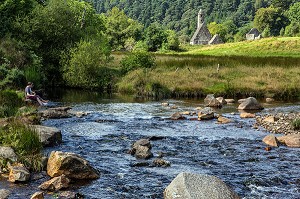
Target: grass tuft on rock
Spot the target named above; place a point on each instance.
(25, 143)
(296, 124)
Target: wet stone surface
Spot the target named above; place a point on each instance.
(235, 155)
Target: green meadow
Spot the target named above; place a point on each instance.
(263, 68)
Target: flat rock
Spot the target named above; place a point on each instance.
(49, 136)
(71, 165)
(271, 119)
(18, 174)
(177, 116)
(224, 120)
(230, 101)
(221, 100)
(4, 193)
(8, 153)
(70, 195)
(196, 186)
(271, 140)
(269, 100)
(159, 162)
(206, 114)
(291, 140)
(56, 183)
(250, 104)
(56, 113)
(247, 115)
(38, 195)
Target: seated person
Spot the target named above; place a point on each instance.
(29, 94)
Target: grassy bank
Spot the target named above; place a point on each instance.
(264, 68)
(267, 47)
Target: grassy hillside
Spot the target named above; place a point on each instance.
(267, 47)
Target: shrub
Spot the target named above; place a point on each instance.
(9, 103)
(25, 143)
(138, 59)
(296, 124)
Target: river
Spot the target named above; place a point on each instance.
(233, 152)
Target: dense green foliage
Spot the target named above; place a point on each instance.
(181, 15)
(136, 60)
(9, 103)
(87, 65)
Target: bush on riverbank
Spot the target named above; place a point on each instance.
(25, 143)
(9, 103)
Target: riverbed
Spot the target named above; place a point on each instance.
(233, 152)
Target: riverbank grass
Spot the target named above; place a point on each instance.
(25, 143)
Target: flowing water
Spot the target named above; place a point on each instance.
(233, 152)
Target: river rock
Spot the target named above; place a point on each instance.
(271, 140)
(142, 149)
(18, 174)
(38, 195)
(165, 104)
(206, 114)
(250, 104)
(8, 153)
(224, 120)
(221, 100)
(211, 101)
(56, 183)
(70, 195)
(55, 113)
(177, 116)
(4, 193)
(270, 119)
(71, 165)
(159, 162)
(292, 140)
(241, 100)
(247, 115)
(269, 100)
(195, 186)
(230, 101)
(49, 136)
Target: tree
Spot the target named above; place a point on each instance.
(10, 10)
(155, 36)
(172, 42)
(52, 29)
(120, 28)
(85, 66)
(270, 18)
(294, 16)
(282, 4)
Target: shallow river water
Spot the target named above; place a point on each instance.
(233, 152)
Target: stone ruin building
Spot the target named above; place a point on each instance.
(253, 34)
(202, 35)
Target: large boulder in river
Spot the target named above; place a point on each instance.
(4, 193)
(7, 153)
(211, 101)
(56, 183)
(18, 174)
(195, 186)
(71, 165)
(292, 140)
(271, 140)
(250, 104)
(141, 149)
(49, 136)
(56, 113)
(206, 114)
